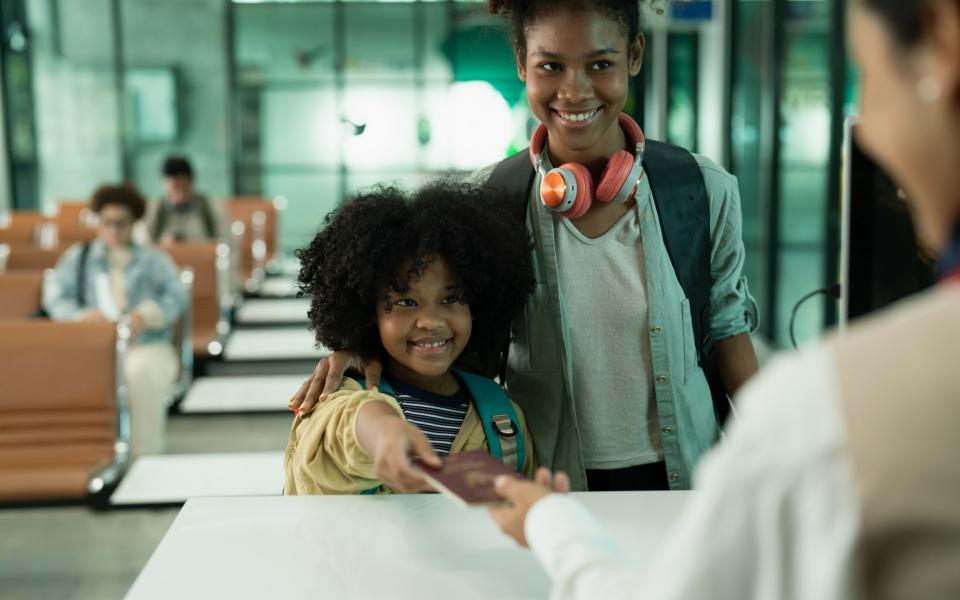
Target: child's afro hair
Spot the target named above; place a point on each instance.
(382, 240)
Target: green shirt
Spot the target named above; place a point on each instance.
(540, 367)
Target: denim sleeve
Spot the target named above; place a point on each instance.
(732, 309)
(60, 290)
(168, 292)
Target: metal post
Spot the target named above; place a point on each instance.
(838, 85)
(119, 75)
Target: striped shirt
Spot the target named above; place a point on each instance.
(438, 417)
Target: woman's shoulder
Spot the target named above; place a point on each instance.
(713, 174)
(481, 175)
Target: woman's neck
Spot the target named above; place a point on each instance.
(596, 156)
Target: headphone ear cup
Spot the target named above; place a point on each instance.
(614, 176)
(584, 198)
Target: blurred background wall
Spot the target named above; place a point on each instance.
(312, 100)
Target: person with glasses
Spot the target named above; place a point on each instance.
(112, 279)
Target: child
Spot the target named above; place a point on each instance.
(425, 285)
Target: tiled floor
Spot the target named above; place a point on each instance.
(75, 553)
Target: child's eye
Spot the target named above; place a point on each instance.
(601, 65)
(405, 302)
(454, 300)
(550, 67)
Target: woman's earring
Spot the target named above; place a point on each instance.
(928, 89)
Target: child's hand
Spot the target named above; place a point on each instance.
(392, 442)
(399, 441)
(521, 496)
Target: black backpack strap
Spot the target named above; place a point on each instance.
(513, 175)
(160, 220)
(82, 273)
(683, 206)
(207, 214)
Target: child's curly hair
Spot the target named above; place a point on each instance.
(382, 240)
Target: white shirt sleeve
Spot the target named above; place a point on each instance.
(775, 514)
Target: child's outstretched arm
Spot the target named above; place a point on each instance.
(325, 455)
(392, 442)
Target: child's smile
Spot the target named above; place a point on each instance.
(425, 327)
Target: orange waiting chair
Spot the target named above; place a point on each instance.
(64, 421)
(253, 235)
(20, 294)
(30, 258)
(74, 212)
(21, 227)
(211, 301)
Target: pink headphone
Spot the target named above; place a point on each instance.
(568, 189)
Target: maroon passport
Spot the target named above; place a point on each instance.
(467, 478)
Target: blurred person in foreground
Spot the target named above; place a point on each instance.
(839, 477)
(182, 214)
(114, 278)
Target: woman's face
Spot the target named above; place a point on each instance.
(913, 137)
(577, 69)
(115, 226)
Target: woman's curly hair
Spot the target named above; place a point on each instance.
(382, 240)
(124, 195)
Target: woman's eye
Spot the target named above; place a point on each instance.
(601, 65)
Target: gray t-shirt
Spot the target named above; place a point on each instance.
(603, 282)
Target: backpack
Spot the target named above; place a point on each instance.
(683, 207)
(499, 419)
(162, 211)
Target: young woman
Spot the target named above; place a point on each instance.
(604, 361)
(818, 491)
(113, 278)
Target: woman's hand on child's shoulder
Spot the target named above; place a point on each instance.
(327, 376)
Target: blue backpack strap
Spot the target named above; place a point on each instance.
(386, 389)
(499, 419)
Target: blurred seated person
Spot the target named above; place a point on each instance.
(114, 278)
(182, 214)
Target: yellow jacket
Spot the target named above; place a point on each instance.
(324, 456)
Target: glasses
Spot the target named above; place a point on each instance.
(116, 223)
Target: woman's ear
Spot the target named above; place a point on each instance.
(635, 52)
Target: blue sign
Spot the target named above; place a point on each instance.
(691, 10)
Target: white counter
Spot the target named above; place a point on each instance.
(391, 547)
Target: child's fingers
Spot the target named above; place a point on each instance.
(561, 482)
(421, 448)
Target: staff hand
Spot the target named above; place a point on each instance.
(521, 496)
(326, 379)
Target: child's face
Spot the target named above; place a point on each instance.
(425, 328)
(577, 69)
